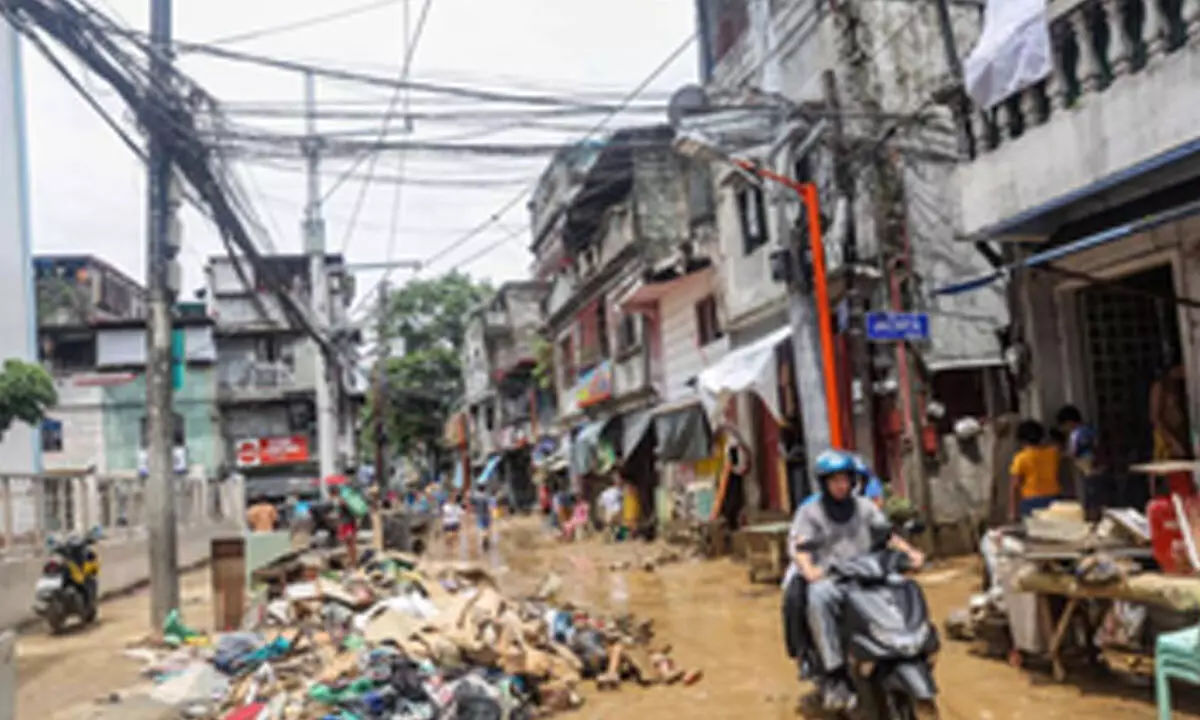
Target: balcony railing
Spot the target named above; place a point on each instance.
(253, 380)
(1094, 44)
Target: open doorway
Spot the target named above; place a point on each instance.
(1130, 333)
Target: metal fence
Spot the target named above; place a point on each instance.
(35, 507)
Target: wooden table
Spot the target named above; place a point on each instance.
(766, 549)
(1171, 592)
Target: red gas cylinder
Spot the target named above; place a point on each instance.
(1166, 539)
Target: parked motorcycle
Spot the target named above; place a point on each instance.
(889, 639)
(70, 582)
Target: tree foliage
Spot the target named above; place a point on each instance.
(424, 383)
(543, 371)
(26, 392)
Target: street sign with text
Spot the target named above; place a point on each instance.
(897, 326)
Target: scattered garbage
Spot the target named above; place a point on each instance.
(405, 640)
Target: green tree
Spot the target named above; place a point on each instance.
(26, 392)
(423, 384)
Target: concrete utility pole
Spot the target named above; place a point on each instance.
(862, 401)
(314, 242)
(380, 390)
(162, 278)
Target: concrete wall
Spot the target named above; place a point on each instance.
(124, 565)
(682, 356)
(124, 554)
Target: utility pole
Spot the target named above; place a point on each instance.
(314, 241)
(162, 279)
(862, 405)
(380, 389)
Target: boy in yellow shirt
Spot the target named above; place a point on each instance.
(1034, 471)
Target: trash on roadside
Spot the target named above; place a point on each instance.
(405, 639)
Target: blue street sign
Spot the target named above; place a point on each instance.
(897, 326)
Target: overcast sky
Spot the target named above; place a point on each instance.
(87, 188)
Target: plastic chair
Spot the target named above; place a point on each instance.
(1176, 656)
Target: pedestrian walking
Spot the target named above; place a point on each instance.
(347, 532)
(483, 503)
(452, 513)
(262, 515)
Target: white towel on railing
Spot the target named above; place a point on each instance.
(1013, 51)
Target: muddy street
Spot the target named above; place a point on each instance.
(711, 614)
(718, 621)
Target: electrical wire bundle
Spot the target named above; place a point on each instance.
(167, 107)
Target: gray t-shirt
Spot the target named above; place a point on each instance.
(813, 532)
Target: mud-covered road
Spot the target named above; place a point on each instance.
(709, 611)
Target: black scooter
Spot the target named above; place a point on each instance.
(888, 637)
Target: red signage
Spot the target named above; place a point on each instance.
(269, 451)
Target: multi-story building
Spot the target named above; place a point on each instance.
(1087, 179)
(505, 406)
(846, 98)
(267, 371)
(632, 309)
(91, 331)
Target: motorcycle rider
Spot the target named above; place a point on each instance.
(838, 526)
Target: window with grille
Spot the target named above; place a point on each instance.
(752, 209)
(708, 323)
(629, 333)
(1127, 339)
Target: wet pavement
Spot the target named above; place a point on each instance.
(713, 616)
(717, 620)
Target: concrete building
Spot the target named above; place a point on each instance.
(633, 311)
(505, 406)
(891, 204)
(266, 372)
(1088, 181)
(91, 333)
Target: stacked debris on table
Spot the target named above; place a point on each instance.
(396, 638)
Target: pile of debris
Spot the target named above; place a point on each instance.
(402, 638)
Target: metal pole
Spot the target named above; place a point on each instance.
(160, 430)
(314, 238)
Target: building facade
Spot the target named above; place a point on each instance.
(91, 336)
(1087, 180)
(845, 97)
(505, 405)
(266, 372)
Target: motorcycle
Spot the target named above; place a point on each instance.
(69, 585)
(890, 642)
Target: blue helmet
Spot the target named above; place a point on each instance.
(832, 462)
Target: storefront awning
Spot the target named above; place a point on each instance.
(585, 448)
(1081, 245)
(637, 424)
(747, 369)
(683, 431)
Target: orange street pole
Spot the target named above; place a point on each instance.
(808, 196)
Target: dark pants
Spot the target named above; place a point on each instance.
(795, 617)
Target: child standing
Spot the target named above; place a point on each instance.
(1034, 471)
(452, 513)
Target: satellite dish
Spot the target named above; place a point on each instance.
(687, 100)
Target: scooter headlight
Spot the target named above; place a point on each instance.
(905, 643)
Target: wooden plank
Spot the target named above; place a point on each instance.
(228, 582)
